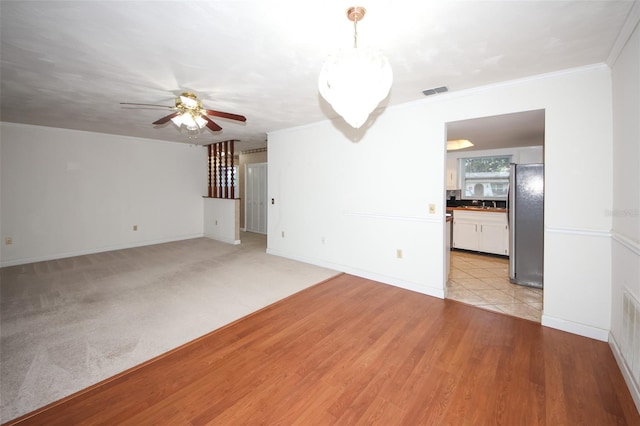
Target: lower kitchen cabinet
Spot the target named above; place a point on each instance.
(481, 231)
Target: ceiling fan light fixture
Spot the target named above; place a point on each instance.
(355, 80)
(189, 101)
(191, 111)
(200, 122)
(190, 114)
(181, 120)
(189, 120)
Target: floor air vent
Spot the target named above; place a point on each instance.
(630, 345)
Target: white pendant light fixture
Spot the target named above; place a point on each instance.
(355, 80)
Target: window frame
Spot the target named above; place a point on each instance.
(503, 178)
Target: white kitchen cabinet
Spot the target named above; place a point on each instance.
(484, 231)
(452, 172)
(494, 237)
(465, 233)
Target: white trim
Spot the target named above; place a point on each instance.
(462, 93)
(407, 285)
(26, 260)
(508, 83)
(113, 135)
(575, 328)
(578, 231)
(615, 236)
(629, 25)
(634, 388)
(223, 240)
(626, 242)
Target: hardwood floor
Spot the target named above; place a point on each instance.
(353, 351)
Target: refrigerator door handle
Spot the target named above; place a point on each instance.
(511, 208)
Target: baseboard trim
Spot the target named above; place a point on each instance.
(634, 388)
(222, 239)
(25, 260)
(407, 285)
(575, 328)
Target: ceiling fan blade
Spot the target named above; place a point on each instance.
(211, 125)
(152, 105)
(167, 118)
(226, 115)
(152, 108)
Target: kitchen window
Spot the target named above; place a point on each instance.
(485, 178)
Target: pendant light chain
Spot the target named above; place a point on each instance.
(355, 33)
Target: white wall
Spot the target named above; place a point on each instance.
(222, 219)
(626, 191)
(369, 197)
(351, 205)
(68, 192)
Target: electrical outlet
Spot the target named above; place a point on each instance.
(8, 240)
(432, 209)
(282, 234)
(135, 227)
(399, 253)
(322, 239)
(216, 222)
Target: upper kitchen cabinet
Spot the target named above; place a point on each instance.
(452, 172)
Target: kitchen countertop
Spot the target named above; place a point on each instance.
(480, 209)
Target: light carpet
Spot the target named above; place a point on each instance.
(69, 323)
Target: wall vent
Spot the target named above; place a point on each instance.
(435, 90)
(630, 345)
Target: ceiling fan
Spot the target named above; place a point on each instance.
(190, 113)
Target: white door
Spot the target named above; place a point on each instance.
(255, 192)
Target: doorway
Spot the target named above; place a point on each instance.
(256, 198)
(477, 276)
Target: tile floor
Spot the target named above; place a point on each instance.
(483, 281)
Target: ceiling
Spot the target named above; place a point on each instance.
(70, 64)
(518, 129)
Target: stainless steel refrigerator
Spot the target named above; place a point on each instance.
(526, 226)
